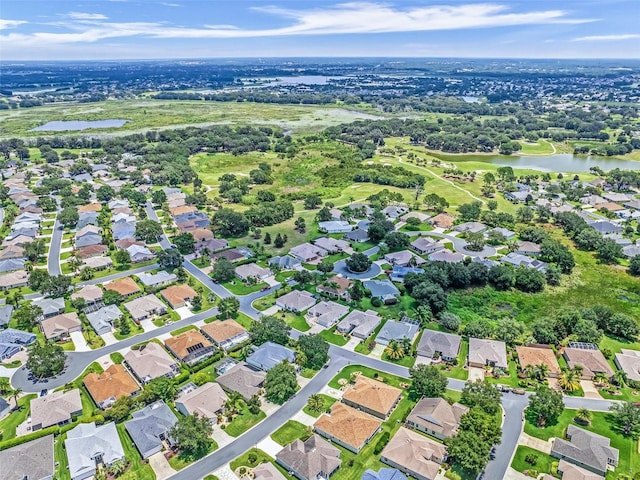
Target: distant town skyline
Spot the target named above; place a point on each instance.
(146, 29)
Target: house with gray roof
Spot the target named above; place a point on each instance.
(5, 408)
(508, 234)
(586, 449)
(404, 258)
(398, 273)
(360, 324)
(395, 211)
(102, 320)
(394, 330)
(518, 260)
(331, 245)
(207, 400)
(11, 264)
(447, 256)
(270, 354)
(446, 345)
(436, 417)
(50, 306)
(384, 290)
(629, 362)
(312, 459)
(384, 474)
(306, 252)
(123, 230)
(148, 428)
(296, 301)
(5, 315)
(267, 471)
(31, 460)
(150, 361)
(12, 341)
(426, 245)
(605, 226)
(483, 352)
(471, 227)
(285, 262)
(139, 253)
(243, 379)
(56, 408)
(326, 314)
(358, 236)
(335, 226)
(157, 279)
(87, 238)
(87, 218)
(89, 444)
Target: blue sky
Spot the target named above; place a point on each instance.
(140, 29)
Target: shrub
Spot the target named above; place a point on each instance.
(376, 302)
(384, 439)
(252, 458)
(531, 459)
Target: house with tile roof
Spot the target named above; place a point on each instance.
(91, 294)
(190, 347)
(178, 295)
(151, 361)
(226, 334)
(535, 355)
(107, 387)
(348, 427)
(414, 454)
(373, 397)
(124, 286)
(336, 287)
(592, 361)
(61, 326)
(436, 417)
(145, 307)
(56, 408)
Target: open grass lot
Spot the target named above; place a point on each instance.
(243, 422)
(602, 424)
(543, 461)
(289, 432)
(149, 114)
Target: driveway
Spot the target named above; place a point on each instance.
(109, 338)
(160, 466)
(269, 446)
(590, 391)
(535, 443)
(476, 373)
(79, 342)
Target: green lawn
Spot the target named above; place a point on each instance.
(117, 358)
(16, 417)
(406, 361)
(186, 328)
(331, 336)
(243, 422)
(346, 372)
(289, 432)
(237, 287)
(543, 461)
(295, 321)
(260, 457)
(178, 462)
(328, 401)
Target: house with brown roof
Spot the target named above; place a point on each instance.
(190, 347)
(92, 207)
(151, 361)
(201, 234)
(535, 355)
(91, 251)
(267, 471)
(13, 280)
(207, 401)
(225, 334)
(181, 210)
(56, 408)
(107, 387)
(178, 295)
(591, 361)
(442, 220)
(61, 326)
(145, 307)
(348, 427)
(373, 397)
(436, 417)
(89, 293)
(569, 471)
(414, 454)
(124, 286)
(336, 287)
(12, 252)
(243, 379)
(312, 459)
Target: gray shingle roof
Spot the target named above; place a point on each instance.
(447, 344)
(270, 354)
(148, 424)
(86, 441)
(32, 460)
(394, 330)
(586, 448)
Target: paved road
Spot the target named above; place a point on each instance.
(115, 276)
(53, 259)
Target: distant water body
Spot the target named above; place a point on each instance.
(76, 125)
(565, 162)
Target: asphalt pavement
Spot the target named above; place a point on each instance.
(53, 259)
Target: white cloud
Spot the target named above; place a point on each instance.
(171, 4)
(608, 38)
(4, 24)
(86, 16)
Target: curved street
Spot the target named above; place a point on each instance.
(513, 405)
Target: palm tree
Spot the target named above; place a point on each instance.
(530, 371)
(600, 377)
(395, 350)
(569, 380)
(315, 403)
(541, 371)
(584, 415)
(117, 468)
(15, 394)
(620, 378)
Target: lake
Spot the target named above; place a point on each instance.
(62, 126)
(564, 162)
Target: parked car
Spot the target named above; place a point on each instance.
(519, 391)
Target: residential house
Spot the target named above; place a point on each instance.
(98, 263)
(483, 352)
(148, 428)
(233, 255)
(471, 227)
(508, 234)
(123, 230)
(426, 245)
(124, 286)
(208, 401)
(384, 474)
(190, 347)
(32, 460)
(404, 258)
(270, 354)
(12, 341)
(535, 355)
(570, 471)
(336, 287)
(226, 334)
(56, 408)
(423, 217)
(107, 387)
(359, 324)
(151, 361)
(393, 212)
(348, 427)
(372, 397)
(145, 307)
(308, 253)
(61, 326)
(211, 244)
(103, 319)
(87, 218)
(12, 264)
(178, 295)
(13, 280)
(5, 409)
(158, 279)
(285, 262)
(518, 196)
(252, 270)
(127, 242)
(629, 362)
(592, 200)
(243, 379)
(397, 330)
(183, 210)
(398, 273)
(447, 256)
(591, 360)
(518, 260)
(436, 417)
(586, 449)
(311, 459)
(616, 197)
(528, 248)
(326, 314)
(139, 253)
(442, 220)
(335, 226)
(91, 251)
(5, 315)
(12, 251)
(123, 217)
(202, 235)
(357, 236)
(414, 454)
(91, 294)
(384, 290)
(16, 240)
(88, 235)
(296, 301)
(605, 226)
(331, 245)
(50, 306)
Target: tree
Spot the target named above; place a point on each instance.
(279, 241)
(26, 316)
(470, 212)
(475, 241)
(120, 409)
(117, 468)
(229, 223)
(358, 262)
(148, 230)
(396, 241)
(509, 330)
(57, 286)
(433, 201)
(634, 266)
(529, 280)
(185, 243)
(482, 395)
(427, 381)
(223, 271)
(162, 388)
(569, 380)
(449, 320)
(158, 197)
(477, 434)
(267, 238)
(325, 266)
(270, 328)
(395, 350)
(627, 418)
(622, 325)
(169, 258)
(87, 273)
(524, 214)
(34, 250)
(110, 297)
(192, 434)
(68, 217)
(312, 201)
(228, 307)
(315, 403)
(609, 251)
(300, 225)
(122, 257)
(105, 193)
(584, 416)
(302, 276)
(254, 404)
(502, 277)
(280, 383)
(5, 386)
(545, 406)
(324, 215)
(431, 295)
(315, 349)
(37, 279)
(46, 360)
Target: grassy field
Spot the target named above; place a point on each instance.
(289, 432)
(243, 422)
(543, 461)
